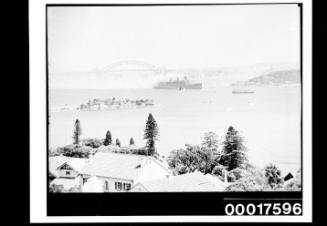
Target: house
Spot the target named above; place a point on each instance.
(119, 172)
(65, 167)
(93, 184)
(64, 171)
(190, 182)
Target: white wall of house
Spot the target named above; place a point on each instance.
(152, 170)
(112, 184)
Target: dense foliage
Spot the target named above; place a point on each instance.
(192, 158)
(72, 150)
(234, 151)
(92, 142)
(273, 176)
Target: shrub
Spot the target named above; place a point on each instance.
(293, 184)
(76, 151)
(56, 188)
(192, 158)
(273, 176)
(92, 142)
(246, 184)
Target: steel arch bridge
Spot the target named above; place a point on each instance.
(142, 64)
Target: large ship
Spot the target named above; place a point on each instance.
(178, 84)
(242, 91)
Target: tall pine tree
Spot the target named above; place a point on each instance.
(77, 131)
(108, 139)
(118, 142)
(151, 134)
(131, 141)
(233, 155)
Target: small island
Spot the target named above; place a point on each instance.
(114, 103)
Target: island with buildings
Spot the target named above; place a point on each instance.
(110, 103)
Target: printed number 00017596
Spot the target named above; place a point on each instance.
(285, 208)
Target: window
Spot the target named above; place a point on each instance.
(118, 186)
(107, 185)
(67, 172)
(127, 186)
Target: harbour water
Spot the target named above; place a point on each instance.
(269, 119)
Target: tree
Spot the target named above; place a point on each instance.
(151, 134)
(118, 142)
(75, 151)
(210, 141)
(273, 176)
(192, 158)
(108, 139)
(92, 142)
(131, 141)
(233, 155)
(77, 131)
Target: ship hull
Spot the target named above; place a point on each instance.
(242, 91)
(179, 87)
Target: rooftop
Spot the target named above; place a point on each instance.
(195, 181)
(116, 165)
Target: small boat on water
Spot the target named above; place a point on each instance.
(242, 91)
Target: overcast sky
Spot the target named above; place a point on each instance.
(85, 38)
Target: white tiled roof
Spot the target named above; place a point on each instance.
(76, 163)
(115, 165)
(195, 181)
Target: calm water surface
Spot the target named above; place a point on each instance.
(269, 119)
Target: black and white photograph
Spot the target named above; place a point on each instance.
(150, 99)
(210, 101)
